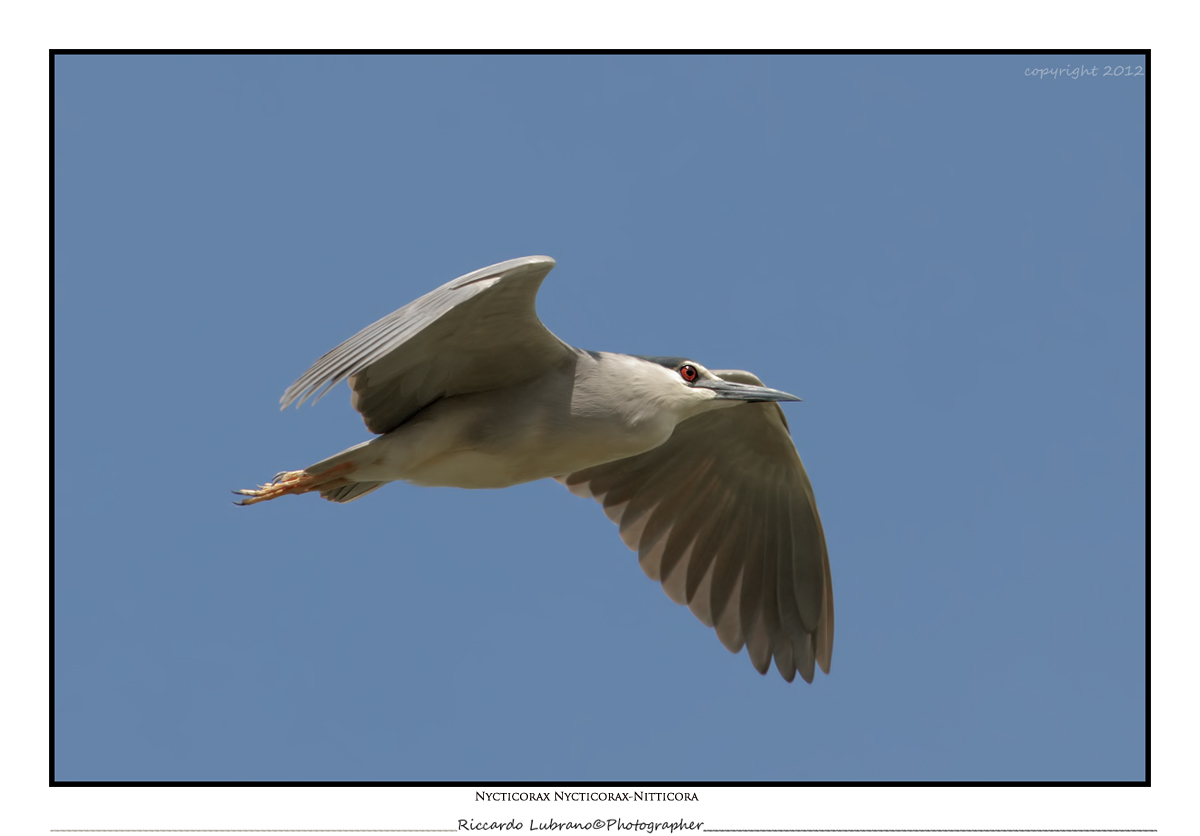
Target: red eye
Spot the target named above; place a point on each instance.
(688, 373)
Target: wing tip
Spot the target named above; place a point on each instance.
(504, 267)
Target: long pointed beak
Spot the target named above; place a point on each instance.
(729, 391)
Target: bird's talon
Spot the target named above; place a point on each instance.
(284, 483)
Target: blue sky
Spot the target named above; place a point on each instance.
(943, 256)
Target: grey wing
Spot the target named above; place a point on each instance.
(476, 333)
(723, 515)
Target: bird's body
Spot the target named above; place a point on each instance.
(547, 426)
(468, 389)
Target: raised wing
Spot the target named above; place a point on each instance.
(476, 333)
(723, 515)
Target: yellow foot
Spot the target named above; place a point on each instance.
(295, 481)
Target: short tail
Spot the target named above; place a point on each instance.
(351, 492)
(347, 490)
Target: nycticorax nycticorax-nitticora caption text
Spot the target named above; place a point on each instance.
(466, 388)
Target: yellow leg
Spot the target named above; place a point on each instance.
(296, 482)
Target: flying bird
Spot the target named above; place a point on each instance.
(465, 387)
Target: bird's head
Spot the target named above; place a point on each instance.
(689, 388)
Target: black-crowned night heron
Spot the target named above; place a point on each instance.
(466, 388)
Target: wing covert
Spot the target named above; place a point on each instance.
(475, 333)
